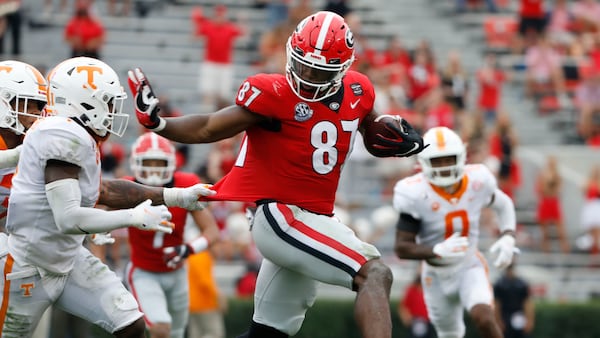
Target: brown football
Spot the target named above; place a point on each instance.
(374, 127)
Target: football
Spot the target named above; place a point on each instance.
(374, 127)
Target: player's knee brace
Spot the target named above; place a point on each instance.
(262, 331)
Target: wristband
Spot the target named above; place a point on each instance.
(162, 123)
(199, 244)
(170, 196)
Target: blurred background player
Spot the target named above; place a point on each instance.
(413, 311)
(22, 100)
(303, 124)
(514, 305)
(156, 273)
(439, 211)
(51, 209)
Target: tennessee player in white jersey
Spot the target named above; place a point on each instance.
(439, 223)
(51, 209)
(22, 100)
(299, 129)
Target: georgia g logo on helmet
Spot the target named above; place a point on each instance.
(349, 39)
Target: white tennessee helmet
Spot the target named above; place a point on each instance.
(151, 146)
(19, 84)
(89, 90)
(442, 142)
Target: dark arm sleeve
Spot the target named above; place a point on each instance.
(408, 223)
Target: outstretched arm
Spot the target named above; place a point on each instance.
(197, 128)
(207, 128)
(119, 194)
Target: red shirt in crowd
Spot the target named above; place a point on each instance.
(85, 28)
(532, 9)
(219, 38)
(490, 89)
(414, 301)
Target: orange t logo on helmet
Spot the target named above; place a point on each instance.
(90, 74)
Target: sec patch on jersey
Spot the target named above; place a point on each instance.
(382, 135)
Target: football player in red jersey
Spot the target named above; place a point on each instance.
(299, 129)
(155, 275)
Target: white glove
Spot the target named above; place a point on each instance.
(187, 198)
(504, 248)
(102, 238)
(454, 246)
(152, 217)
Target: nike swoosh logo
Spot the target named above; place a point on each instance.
(410, 151)
(354, 104)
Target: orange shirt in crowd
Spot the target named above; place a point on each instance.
(204, 293)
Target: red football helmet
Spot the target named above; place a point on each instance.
(153, 159)
(319, 53)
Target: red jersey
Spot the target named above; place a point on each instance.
(147, 246)
(296, 158)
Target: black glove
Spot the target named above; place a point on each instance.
(174, 256)
(406, 139)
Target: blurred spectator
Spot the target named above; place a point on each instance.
(339, 7)
(413, 312)
(207, 305)
(221, 158)
(590, 213)
(271, 48)
(544, 75)
(125, 7)
(84, 32)
(217, 70)
(514, 306)
(112, 154)
(49, 7)
(490, 78)
(549, 210)
(503, 141)
(439, 111)
(300, 10)
(532, 21)
(11, 19)
(587, 101)
(364, 54)
(463, 5)
(278, 11)
(455, 81)
(424, 46)
(245, 285)
(168, 110)
(560, 23)
(395, 60)
(422, 80)
(587, 14)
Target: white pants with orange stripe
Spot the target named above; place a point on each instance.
(90, 291)
(301, 248)
(449, 290)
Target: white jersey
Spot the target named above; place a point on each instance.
(442, 214)
(34, 236)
